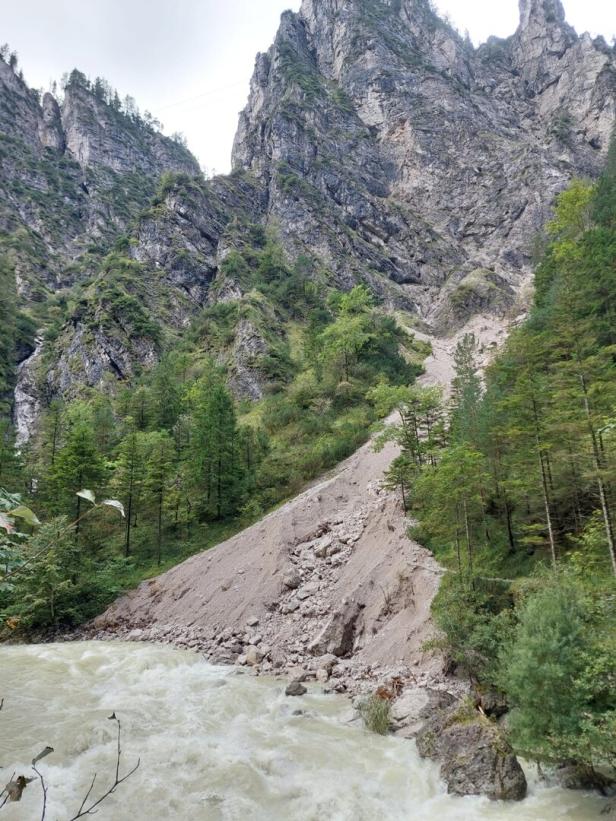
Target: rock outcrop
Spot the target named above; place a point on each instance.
(475, 757)
(376, 141)
(403, 155)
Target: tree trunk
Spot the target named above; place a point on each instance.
(544, 485)
(468, 542)
(160, 527)
(129, 516)
(458, 549)
(510, 535)
(607, 516)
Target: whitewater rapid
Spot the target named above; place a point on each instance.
(217, 745)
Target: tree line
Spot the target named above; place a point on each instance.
(513, 482)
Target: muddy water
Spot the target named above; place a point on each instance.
(217, 746)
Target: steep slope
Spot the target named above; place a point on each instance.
(330, 578)
(73, 176)
(72, 179)
(403, 154)
(376, 142)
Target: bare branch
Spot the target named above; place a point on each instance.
(13, 790)
(90, 809)
(44, 788)
(6, 790)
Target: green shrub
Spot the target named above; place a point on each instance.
(376, 714)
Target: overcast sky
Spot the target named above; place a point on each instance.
(189, 62)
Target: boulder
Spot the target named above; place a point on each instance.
(308, 590)
(292, 580)
(327, 662)
(338, 634)
(475, 756)
(253, 656)
(295, 688)
(407, 711)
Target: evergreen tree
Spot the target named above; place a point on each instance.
(466, 393)
(78, 465)
(158, 479)
(215, 461)
(129, 476)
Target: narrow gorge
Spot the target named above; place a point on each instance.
(337, 426)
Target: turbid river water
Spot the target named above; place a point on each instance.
(217, 746)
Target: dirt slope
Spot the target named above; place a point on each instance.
(331, 572)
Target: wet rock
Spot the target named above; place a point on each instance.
(327, 662)
(253, 656)
(295, 688)
(407, 711)
(475, 757)
(573, 776)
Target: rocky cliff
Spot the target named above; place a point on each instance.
(72, 176)
(376, 141)
(399, 152)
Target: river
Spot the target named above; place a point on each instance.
(216, 745)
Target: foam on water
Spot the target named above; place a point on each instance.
(217, 746)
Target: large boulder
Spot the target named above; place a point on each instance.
(475, 757)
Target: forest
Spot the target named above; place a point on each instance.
(512, 483)
(189, 464)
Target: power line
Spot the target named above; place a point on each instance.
(200, 96)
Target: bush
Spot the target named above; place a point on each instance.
(475, 623)
(376, 714)
(59, 585)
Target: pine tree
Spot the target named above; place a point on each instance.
(78, 465)
(160, 454)
(129, 476)
(466, 393)
(215, 461)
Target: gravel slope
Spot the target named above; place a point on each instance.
(329, 574)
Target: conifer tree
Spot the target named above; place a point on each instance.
(215, 461)
(158, 477)
(78, 465)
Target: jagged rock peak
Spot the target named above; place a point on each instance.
(51, 131)
(542, 12)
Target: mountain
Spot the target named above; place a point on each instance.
(73, 175)
(398, 152)
(377, 143)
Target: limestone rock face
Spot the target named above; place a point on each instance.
(376, 141)
(51, 131)
(97, 135)
(402, 155)
(72, 177)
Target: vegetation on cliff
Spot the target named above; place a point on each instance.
(188, 462)
(513, 485)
